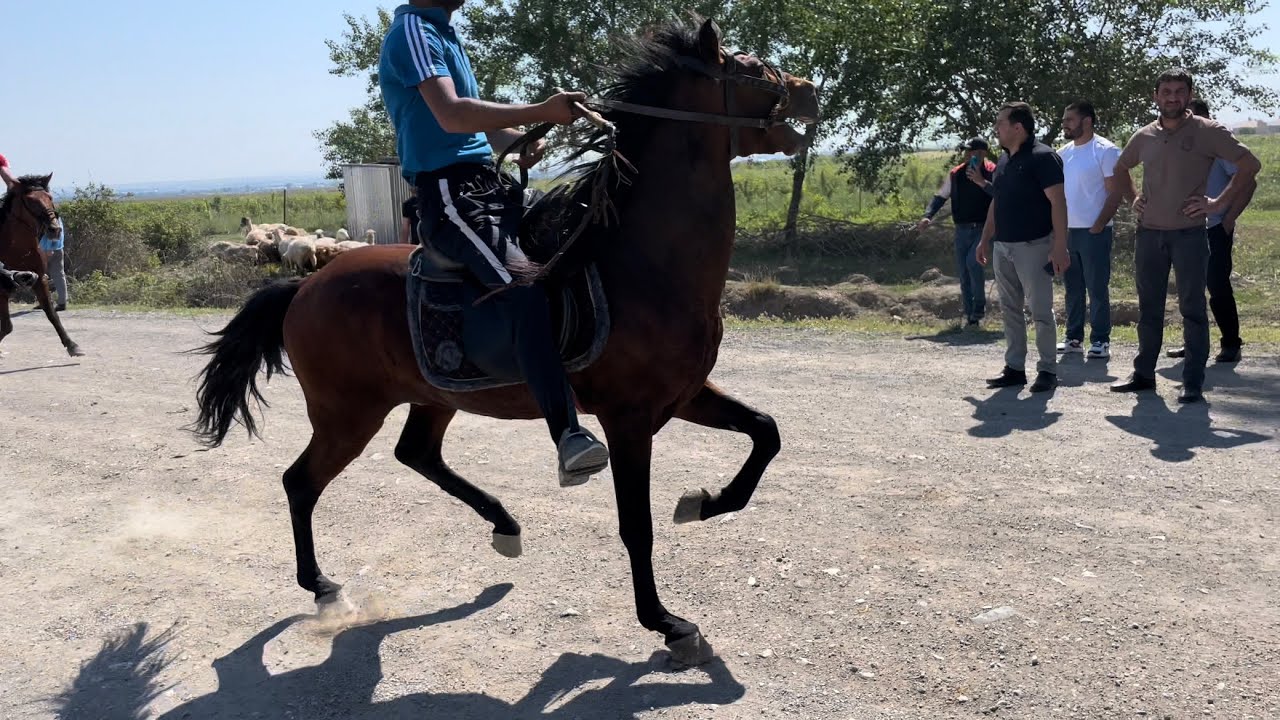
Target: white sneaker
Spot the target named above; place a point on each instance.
(1071, 346)
(1100, 350)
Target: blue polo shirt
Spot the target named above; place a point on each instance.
(1219, 177)
(421, 44)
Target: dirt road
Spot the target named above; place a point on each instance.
(1137, 542)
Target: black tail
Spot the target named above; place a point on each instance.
(253, 337)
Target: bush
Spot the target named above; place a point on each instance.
(99, 237)
(171, 237)
(207, 282)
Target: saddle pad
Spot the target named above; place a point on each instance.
(437, 307)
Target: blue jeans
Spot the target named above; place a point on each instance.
(1090, 271)
(973, 287)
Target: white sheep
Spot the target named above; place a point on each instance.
(247, 226)
(300, 255)
(342, 235)
(346, 245)
(370, 237)
(256, 237)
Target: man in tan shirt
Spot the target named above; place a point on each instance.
(1176, 152)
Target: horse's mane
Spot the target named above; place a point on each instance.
(641, 77)
(26, 184)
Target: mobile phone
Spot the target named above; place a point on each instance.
(974, 162)
(1048, 267)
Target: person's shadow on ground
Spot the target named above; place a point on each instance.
(1177, 435)
(1004, 411)
(959, 336)
(122, 680)
(1074, 370)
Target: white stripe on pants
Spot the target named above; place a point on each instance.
(1021, 279)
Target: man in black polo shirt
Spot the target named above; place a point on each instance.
(1028, 223)
(968, 185)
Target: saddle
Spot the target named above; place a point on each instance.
(443, 313)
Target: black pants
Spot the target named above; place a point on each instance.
(468, 214)
(1222, 299)
(1187, 252)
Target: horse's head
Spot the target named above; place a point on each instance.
(747, 87)
(30, 199)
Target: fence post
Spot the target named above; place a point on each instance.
(286, 207)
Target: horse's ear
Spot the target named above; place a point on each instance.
(46, 180)
(709, 42)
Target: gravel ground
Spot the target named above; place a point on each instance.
(1135, 541)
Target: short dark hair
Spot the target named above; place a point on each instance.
(1199, 107)
(1020, 113)
(1176, 74)
(1084, 109)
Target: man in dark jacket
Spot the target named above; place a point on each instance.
(968, 186)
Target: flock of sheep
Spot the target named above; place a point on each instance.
(294, 248)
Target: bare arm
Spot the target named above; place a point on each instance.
(1128, 189)
(1237, 208)
(471, 115)
(1247, 169)
(1115, 196)
(1058, 246)
(7, 177)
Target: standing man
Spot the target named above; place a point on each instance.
(443, 136)
(51, 245)
(1177, 151)
(1088, 166)
(409, 218)
(1222, 230)
(6, 175)
(968, 185)
(1028, 222)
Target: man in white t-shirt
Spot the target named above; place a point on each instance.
(1088, 163)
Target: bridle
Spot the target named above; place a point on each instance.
(732, 76)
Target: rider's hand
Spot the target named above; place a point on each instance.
(559, 108)
(532, 154)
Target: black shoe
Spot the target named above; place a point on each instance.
(1135, 383)
(1045, 381)
(1008, 377)
(59, 307)
(1190, 394)
(1228, 355)
(581, 456)
(1176, 352)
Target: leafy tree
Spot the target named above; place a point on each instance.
(368, 135)
(952, 65)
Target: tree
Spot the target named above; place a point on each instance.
(952, 66)
(841, 46)
(368, 136)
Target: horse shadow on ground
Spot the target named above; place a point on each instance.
(959, 336)
(122, 679)
(1177, 435)
(1005, 411)
(37, 368)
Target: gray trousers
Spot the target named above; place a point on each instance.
(1187, 252)
(1021, 279)
(57, 276)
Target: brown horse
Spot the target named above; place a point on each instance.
(26, 213)
(663, 264)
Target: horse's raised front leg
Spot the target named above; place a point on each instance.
(419, 448)
(41, 289)
(630, 451)
(712, 408)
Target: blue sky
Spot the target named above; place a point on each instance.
(158, 90)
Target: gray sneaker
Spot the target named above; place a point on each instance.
(1070, 346)
(581, 456)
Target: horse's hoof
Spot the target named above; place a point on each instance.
(74, 350)
(508, 545)
(335, 605)
(689, 509)
(690, 650)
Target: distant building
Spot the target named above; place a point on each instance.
(1258, 127)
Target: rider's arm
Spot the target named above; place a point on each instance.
(6, 175)
(470, 115)
(502, 139)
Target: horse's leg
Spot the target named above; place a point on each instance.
(41, 289)
(419, 448)
(630, 450)
(6, 323)
(337, 438)
(712, 408)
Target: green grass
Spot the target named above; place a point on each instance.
(220, 214)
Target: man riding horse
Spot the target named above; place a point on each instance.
(445, 137)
